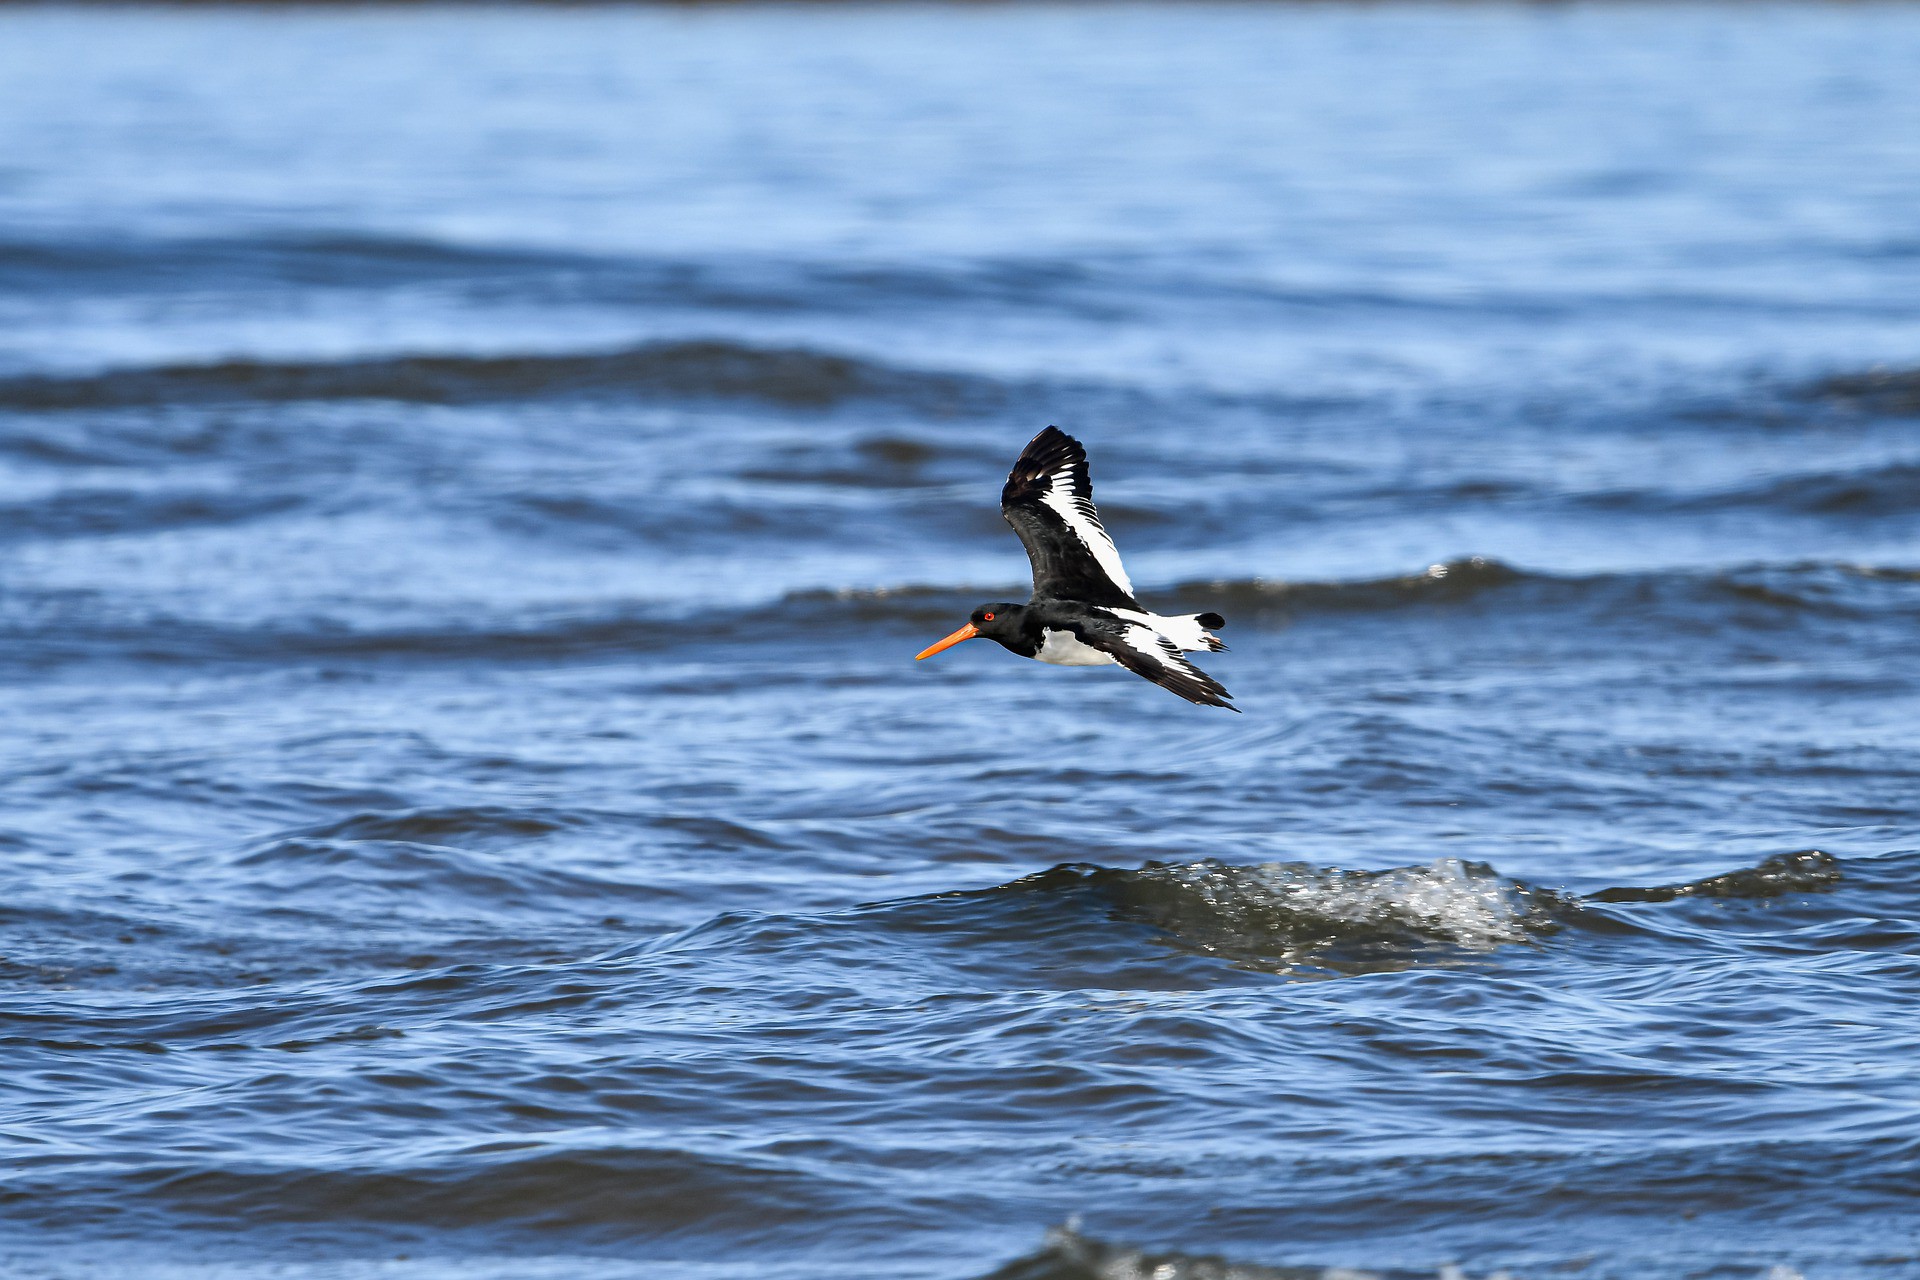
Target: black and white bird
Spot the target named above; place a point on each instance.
(1083, 613)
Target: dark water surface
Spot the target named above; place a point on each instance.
(472, 484)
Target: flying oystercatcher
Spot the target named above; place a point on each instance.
(1083, 613)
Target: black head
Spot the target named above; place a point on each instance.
(998, 621)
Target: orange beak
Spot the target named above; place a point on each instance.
(965, 633)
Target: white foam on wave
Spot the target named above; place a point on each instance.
(1070, 1254)
(1294, 910)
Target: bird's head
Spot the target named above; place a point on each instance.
(994, 621)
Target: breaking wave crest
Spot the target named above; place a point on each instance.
(1286, 914)
(1068, 1255)
(1289, 919)
(1081, 926)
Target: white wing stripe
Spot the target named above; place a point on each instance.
(1144, 639)
(1184, 631)
(1147, 641)
(1078, 515)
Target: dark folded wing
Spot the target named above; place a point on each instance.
(1145, 652)
(1049, 502)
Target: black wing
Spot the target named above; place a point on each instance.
(1049, 502)
(1147, 653)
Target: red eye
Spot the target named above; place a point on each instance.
(986, 617)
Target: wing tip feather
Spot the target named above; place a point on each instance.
(1045, 455)
(1171, 671)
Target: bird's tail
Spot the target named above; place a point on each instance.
(1210, 621)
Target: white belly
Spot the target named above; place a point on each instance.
(1063, 648)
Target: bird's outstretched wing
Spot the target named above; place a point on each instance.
(1147, 653)
(1049, 502)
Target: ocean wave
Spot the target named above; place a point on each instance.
(1832, 588)
(1102, 289)
(1087, 288)
(478, 826)
(1807, 902)
(1083, 926)
(56, 627)
(506, 1184)
(1069, 1255)
(1882, 391)
(1289, 919)
(1878, 489)
(321, 876)
(795, 377)
(1809, 871)
(1884, 489)
(61, 626)
(1452, 581)
(163, 265)
(72, 513)
(322, 259)
(1288, 915)
(1813, 586)
(1893, 489)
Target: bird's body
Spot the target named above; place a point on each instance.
(1083, 612)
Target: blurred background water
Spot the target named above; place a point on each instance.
(472, 482)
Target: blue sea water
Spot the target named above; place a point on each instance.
(472, 482)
